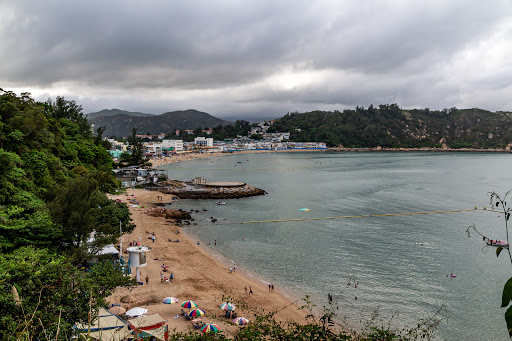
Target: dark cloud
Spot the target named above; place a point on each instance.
(234, 58)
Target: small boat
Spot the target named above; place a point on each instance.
(495, 242)
(221, 203)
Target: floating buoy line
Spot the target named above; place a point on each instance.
(354, 216)
(346, 217)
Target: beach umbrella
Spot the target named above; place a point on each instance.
(137, 311)
(189, 304)
(227, 306)
(241, 321)
(170, 300)
(117, 310)
(210, 328)
(196, 313)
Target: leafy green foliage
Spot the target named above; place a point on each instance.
(53, 180)
(507, 294)
(136, 156)
(51, 294)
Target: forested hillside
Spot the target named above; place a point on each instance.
(391, 126)
(53, 178)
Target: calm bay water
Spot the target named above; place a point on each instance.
(401, 263)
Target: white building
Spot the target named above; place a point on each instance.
(153, 148)
(177, 145)
(203, 141)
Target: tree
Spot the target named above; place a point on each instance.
(45, 294)
(60, 108)
(81, 208)
(137, 156)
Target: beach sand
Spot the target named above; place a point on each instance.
(199, 274)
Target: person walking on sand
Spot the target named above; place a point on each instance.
(153, 237)
(147, 280)
(245, 290)
(269, 286)
(250, 291)
(272, 287)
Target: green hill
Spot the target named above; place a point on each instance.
(394, 127)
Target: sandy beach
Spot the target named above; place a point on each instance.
(199, 273)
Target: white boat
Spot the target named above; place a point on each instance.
(221, 203)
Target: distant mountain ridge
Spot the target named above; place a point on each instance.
(114, 112)
(120, 123)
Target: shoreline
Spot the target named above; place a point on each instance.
(224, 260)
(200, 274)
(186, 156)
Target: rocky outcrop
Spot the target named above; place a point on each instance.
(168, 213)
(204, 192)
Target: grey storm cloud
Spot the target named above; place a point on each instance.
(248, 57)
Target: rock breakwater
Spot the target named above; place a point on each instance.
(198, 191)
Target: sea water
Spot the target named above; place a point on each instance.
(402, 264)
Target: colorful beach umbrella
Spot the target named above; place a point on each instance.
(227, 306)
(189, 304)
(210, 328)
(196, 313)
(241, 321)
(170, 300)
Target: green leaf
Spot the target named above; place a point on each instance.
(508, 319)
(507, 294)
(498, 250)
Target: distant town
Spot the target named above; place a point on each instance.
(157, 145)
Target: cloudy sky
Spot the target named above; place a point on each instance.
(249, 58)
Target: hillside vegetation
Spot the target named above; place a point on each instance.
(393, 127)
(53, 178)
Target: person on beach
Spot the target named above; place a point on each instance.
(215, 242)
(272, 286)
(250, 291)
(329, 296)
(147, 280)
(269, 286)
